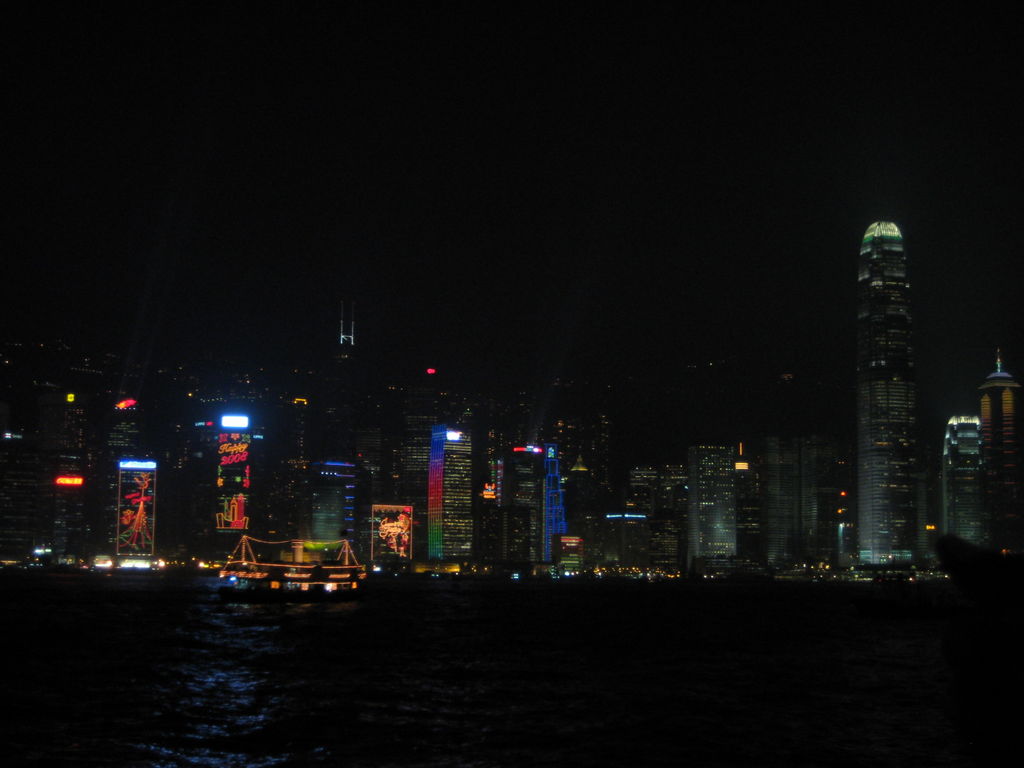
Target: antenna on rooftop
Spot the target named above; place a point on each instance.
(349, 336)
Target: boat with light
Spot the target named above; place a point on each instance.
(294, 570)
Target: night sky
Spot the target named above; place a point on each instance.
(512, 191)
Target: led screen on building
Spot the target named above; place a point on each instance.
(392, 531)
(136, 507)
(234, 477)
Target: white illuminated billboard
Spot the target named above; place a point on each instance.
(234, 422)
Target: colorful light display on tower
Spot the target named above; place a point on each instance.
(234, 473)
(449, 495)
(136, 507)
(554, 506)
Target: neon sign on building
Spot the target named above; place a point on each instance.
(234, 474)
(392, 534)
(136, 507)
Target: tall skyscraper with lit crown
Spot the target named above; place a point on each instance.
(886, 398)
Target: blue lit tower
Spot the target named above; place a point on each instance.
(554, 508)
(886, 398)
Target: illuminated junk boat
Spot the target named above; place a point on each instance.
(302, 572)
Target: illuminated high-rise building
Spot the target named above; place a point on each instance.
(528, 477)
(421, 414)
(519, 477)
(554, 501)
(711, 523)
(1000, 450)
(136, 507)
(963, 509)
(886, 397)
(450, 495)
(234, 474)
(332, 501)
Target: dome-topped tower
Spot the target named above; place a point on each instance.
(1000, 449)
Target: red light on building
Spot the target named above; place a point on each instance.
(125, 404)
(431, 371)
(69, 480)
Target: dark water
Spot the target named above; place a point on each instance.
(111, 670)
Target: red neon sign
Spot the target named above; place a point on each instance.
(69, 480)
(125, 404)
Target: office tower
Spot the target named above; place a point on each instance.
(502, 534)
(450, 495)
(62, 442)
(420, 414)
(781, 523)
(711, 524)
(627, 540)
(332, 501)
(136, 508)
(801, 480)
(122, 426)
(963, 509)
(643, 485)
(528, 476)
(554, 501)
(663, 549)
(584, 504)
(19, 497)
(339, 386)
(235, 452)
(1000, 450)
(749, 540)
(821, 479)
(885, 399)
(520, 483)
(390, 533)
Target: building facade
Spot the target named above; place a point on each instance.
(963, 509)
(886, 399)
(711, 522)
(450, 495)
(1000, 448)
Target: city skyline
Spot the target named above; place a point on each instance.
(531, 330)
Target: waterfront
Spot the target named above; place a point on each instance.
(154, 671)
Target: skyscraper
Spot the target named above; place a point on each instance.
(450, 496)
(963, 512)
(712, 517)
(1000, 448)
(885, 399)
